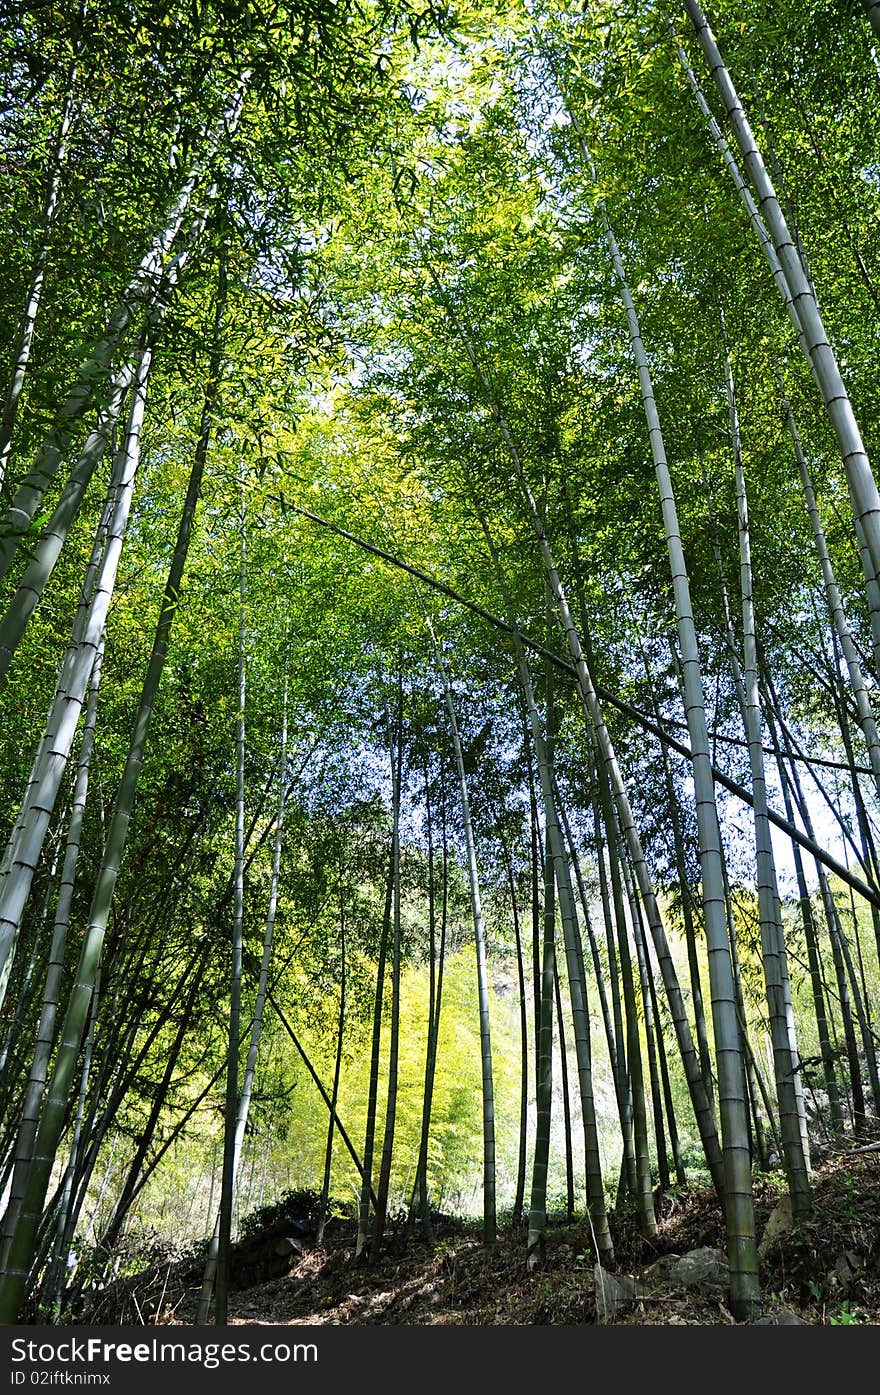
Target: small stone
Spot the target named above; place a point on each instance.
(784, 1318)
(847, 1265)
(702, 1268)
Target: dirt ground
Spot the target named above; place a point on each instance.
(826, 1271)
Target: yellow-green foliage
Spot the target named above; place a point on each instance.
(286, 1148)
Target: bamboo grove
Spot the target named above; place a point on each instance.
(440, 552)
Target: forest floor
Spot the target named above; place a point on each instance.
(826, 1271)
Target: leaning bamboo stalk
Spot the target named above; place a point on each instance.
(739, 1204)
(67, 1213)
(22, 350)
(39, 801)
(85, 598)
(651, 1032)
(808, 920)
(864, 494)
(559, 874)
(791, 779)
(621, 1052)
(54, 1109)
(782, 1030)
(45, 554)
(791, 305)
(597, 967)
(754, 215)
(870, 857)
(681, 870)
(640, 1170)
(145, 285)
(26, 996)
(867, 721)
(873, 592)
(674, 1142)
(29, 591)
(580, 1016)
(171, 1055)
(343, 1133)
(39, 1068)
(117, 1071)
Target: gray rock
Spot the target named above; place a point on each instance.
(613, 1292)
(703, 1268)
(847, 1265)
(784, 1318)
(660, 1270)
